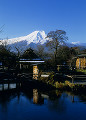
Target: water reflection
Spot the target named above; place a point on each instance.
(21, 104)
(7, 86)
(37, 98)
(56, 103)
(74, 98)
(54, 100)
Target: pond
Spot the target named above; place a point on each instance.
(34, 104)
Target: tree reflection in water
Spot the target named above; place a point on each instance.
(28, 103)
(56, 102)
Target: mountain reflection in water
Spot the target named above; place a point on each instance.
(34, 104)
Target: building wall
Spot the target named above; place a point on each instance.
(35, 72)
(81, 63)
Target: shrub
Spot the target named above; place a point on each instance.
(67, 83)
(58, 85)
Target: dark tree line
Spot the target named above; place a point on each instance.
(6, 57)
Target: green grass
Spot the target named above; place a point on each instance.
(81, 70)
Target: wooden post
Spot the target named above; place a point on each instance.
(8, 86)
(72, 79)
(58, 67)
(20, 65)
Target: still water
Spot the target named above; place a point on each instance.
(33, 104)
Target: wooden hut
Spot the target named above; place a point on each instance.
(30, 61)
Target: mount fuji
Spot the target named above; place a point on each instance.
(24, 42)
(32, 40)
(34, 37)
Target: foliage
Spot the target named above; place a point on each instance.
(81, 70)
(63, 54)
(71, 85)
(51, 78)
(6, 57)
(59, 85)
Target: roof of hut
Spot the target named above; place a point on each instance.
(81, 55)
(30, 56)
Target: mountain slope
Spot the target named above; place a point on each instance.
(34, 37)
(24, 42)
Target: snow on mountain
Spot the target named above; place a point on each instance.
(24, 42)
(79, 44)
(32, 40)
(76, 44)
(34, 37)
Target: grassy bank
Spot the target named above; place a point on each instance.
(60, 84)
(70, 86)
(81, 70)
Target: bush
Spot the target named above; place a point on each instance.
(67, 83)
(51, 78)
(59, 85)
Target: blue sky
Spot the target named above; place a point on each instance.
(21, 17)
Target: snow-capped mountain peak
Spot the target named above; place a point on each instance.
(78, 42)
(34, 37)
(31, 40)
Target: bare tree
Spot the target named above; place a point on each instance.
(40, 50)
(56, 38)
(1, 30)
(19, 50)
